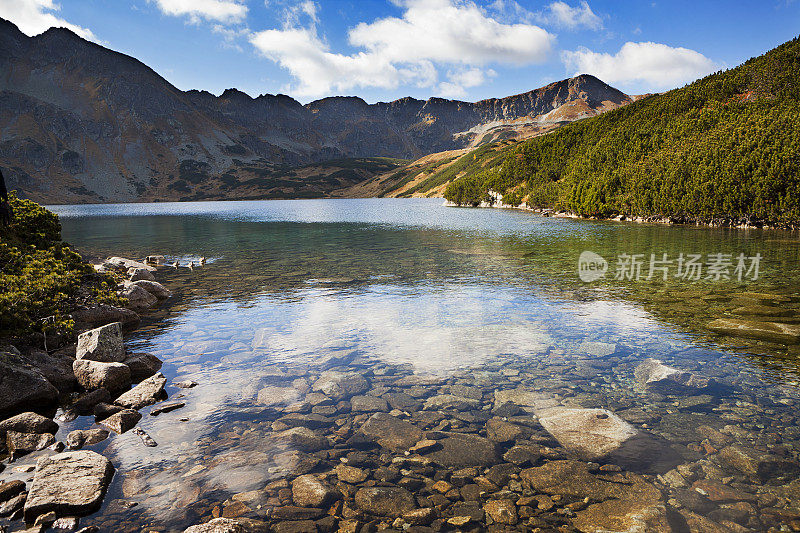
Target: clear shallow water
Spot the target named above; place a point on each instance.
(407, 286)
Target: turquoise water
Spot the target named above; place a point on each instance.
(291, 286)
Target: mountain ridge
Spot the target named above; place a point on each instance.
(82, 123)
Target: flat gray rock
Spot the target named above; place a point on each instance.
(122, 421)
(103, 344)
(70, 483)
(94, 375)
(145, 393)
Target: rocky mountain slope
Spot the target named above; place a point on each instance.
(82, 123)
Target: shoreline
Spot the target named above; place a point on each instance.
(718, 222)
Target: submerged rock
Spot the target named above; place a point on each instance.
(593, 434)
(341, 385)
(103, 344)
(760, 465)
(449, 401)
(145, 393)
(384, 501)
(524, 397)
(113, 377)
(308, 491)
(304, 439)
(658, 377)
(230, 525)
(391, 432)
(460, 450)
(70, 483)
(754, 329)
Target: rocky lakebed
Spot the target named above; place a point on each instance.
(592, 437)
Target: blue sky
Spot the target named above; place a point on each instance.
(383, 50)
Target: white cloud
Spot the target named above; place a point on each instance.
(402, 50)
(225, 11)
(654, 64)
(558, 14)
(33, 17)
(562, 15)
(460, 80)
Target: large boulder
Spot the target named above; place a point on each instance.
(391, 432)
(153, 287)
(19, 444)
(138, 274)
(385, 501)
(113, 377)
(23, 388)
(122, 421)
(755, 329)
(101, 314)
(56, 370)
(28, 422)
(594, 434)
(341, 385)
(70, 483)
(142, 365)
(138, 298)
(103, 344)
(145, 393)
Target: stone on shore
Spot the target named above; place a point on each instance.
(391, 432)
(28, 422)
(85, 437)
(113, 377)
(385, 501)
(142, 365)
(309, 491)
(85, 403)
(340, 385)
(56, 370)
(121, 263)
(122, 421)
(145, 393)
(153, 287)
(22, 388)
(9, 489)
(70, 483)
(19, 444)
(658, 377)
(138, 298)
(103, 344)
(754, 329)
(138, 274)
(101, 314)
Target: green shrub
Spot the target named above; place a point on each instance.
(40, 276)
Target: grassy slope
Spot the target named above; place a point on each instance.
(727, 145)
